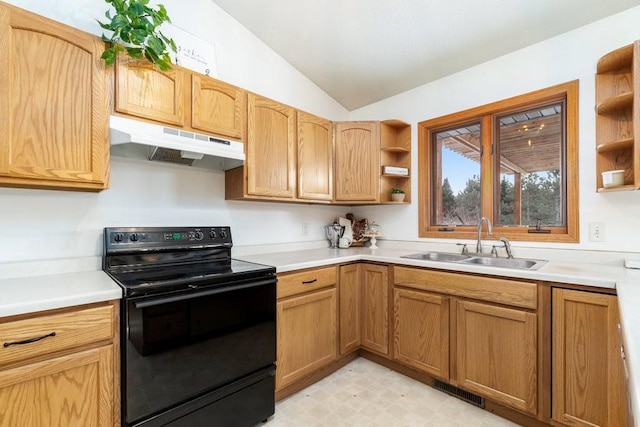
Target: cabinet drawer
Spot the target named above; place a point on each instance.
(501, 291)
(72, 329)
(306, 281)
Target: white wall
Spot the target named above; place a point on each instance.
(40, 224)
(46, 224)
(567, 57)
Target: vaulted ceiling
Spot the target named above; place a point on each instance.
(363, 51)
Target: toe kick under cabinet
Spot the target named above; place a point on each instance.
(60, 368)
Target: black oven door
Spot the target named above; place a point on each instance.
(181, 347)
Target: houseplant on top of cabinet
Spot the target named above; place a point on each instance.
(135, 31)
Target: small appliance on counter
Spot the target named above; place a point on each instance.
(334, 233)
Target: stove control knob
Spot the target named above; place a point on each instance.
(133, 237)
(212, 234)
(118, 237)
(223, 234)
(199, 235)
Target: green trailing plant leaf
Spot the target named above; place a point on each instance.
(135, 31)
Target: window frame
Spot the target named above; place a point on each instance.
(486, 115)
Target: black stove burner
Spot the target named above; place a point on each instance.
(152, 260)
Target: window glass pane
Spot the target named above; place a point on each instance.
(530, 161)
(456, 175)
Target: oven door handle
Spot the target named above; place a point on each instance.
(198, 294)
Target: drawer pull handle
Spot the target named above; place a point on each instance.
(308, 282)
(29, 341)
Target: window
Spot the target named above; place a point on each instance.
(513, 161)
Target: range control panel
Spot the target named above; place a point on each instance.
(139, 238)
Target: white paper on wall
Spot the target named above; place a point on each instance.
(192, 52)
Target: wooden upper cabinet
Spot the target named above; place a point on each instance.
(218, 107)
(315, 157)
(53, 114)
(357, 161)
(144, 91)
(271, 149)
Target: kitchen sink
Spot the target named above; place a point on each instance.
(525, 264)
(438, 256)
(518, 263)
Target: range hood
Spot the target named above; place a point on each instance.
(141, 140)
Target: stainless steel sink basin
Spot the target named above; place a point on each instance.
(518, 263)
(438, 256)
(525, 264)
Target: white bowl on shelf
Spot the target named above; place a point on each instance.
(612, 178)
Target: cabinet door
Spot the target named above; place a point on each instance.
(306, 335)
(315, 157)
(357, 159)
(349, 306)
(497, 354)
(218, 107)
(421, 331)
(587, 370)
(53, 116)
(144, 91)
(375, 308)
(271, 167)
(72, 390)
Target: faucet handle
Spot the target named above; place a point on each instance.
(465, 250)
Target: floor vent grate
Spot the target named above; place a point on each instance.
(454, 391)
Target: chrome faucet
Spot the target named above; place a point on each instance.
(507, 246)
(489, 232)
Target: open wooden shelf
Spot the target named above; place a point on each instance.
(617, 188)
(614, 103)
(395, 150)
(619, 58)
(617, 116)
(614, 145)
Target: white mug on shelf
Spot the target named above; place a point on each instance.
(344, 242)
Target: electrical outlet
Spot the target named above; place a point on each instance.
(305, 229)
(597, 232)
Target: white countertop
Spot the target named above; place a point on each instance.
(31, 294)
(625, 281)
(597, 275)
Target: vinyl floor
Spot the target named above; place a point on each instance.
(363, 393)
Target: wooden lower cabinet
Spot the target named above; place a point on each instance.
(496, 349)
(307, 327)
(349, 308)
(67, 379)
(421, 331)
(375, 308)
(72, 390)
(447, 326)
(587, 378)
